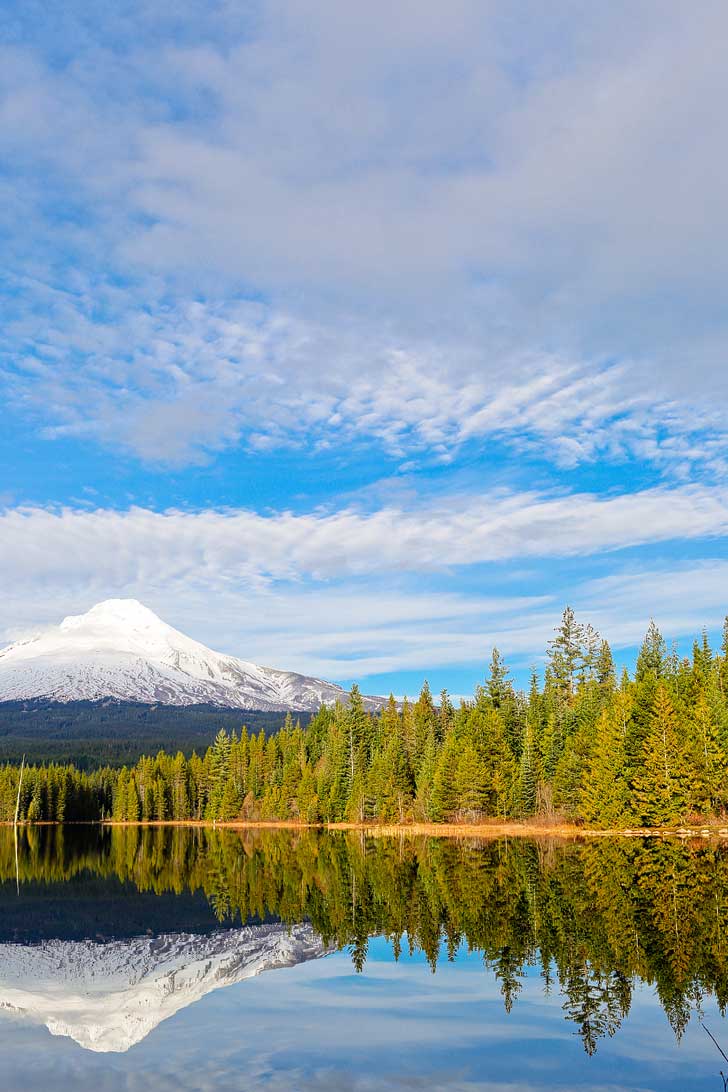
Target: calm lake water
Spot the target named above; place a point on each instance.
(188, 959)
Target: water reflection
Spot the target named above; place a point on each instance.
(142, 922)
(108, 997)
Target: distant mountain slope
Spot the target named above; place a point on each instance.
(89, 734)
(107, 997)
(120, 649)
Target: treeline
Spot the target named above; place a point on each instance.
(651, 750)
(596, 918)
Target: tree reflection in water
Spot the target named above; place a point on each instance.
(595, 917)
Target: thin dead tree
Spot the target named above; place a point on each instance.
(20, 786)
(724, 1078)
(15, 825)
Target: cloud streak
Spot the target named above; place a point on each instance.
(334, 594)
(171, 381)
(245, 545)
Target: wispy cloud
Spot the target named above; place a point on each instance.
(329, 593)
(171, 380)
(459, 531)
(457, 227)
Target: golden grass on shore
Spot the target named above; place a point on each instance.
(483, 830)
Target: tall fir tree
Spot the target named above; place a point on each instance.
(565, 655)
(663, 784)
(605, 796)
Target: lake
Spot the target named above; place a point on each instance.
(178, 958)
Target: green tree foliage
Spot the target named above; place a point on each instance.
(664, 784)
(566, 654)
(652, 658)
(605, 793)
(651, 750)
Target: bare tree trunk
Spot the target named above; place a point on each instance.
(15, 826)
(20, 785)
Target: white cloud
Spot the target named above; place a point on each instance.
(221, 545)
(508, 198)
(331, 594)
(172, 380)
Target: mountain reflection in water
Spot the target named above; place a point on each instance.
(109, 996)
(594, 920)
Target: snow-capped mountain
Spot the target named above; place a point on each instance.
(107, 997)
(120, 649)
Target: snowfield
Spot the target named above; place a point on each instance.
(120, 649)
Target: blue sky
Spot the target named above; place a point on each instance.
(355, 340)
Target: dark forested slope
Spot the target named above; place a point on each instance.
(95, 733)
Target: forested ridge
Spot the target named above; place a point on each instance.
(649, 749)
(110, 732)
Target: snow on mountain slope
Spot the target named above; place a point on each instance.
(107, 997)
(121, 649)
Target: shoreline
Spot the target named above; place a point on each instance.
(482, 831)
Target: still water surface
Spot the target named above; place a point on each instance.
(189, 959)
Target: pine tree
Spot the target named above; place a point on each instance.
(662, 784)
(552, 746)
(424, 722)
(231, 801)
(606, 794)
(357, 807)
(710, 785)
(651, 667)
(336, 776)
(447, 716)
(591, 644)
(565, 654)
(394, 782)
(702, 657)
(218, 758)
(132, 802)
(358, 727)
(652, 655)
(34, 813)
(390, 721)
(470, 782)
(179, 789)
(308, 802)
(444, 798)
(498, 683)
(604, 669)
(723, 661)
(501, 767)
(121, 796)
(160, 800)
(62, 797)
(528, 774)
(426, 779)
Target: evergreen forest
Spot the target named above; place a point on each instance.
(583, 746)
(108, 732)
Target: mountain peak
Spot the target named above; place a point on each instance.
(114, 612)
(122, 650)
